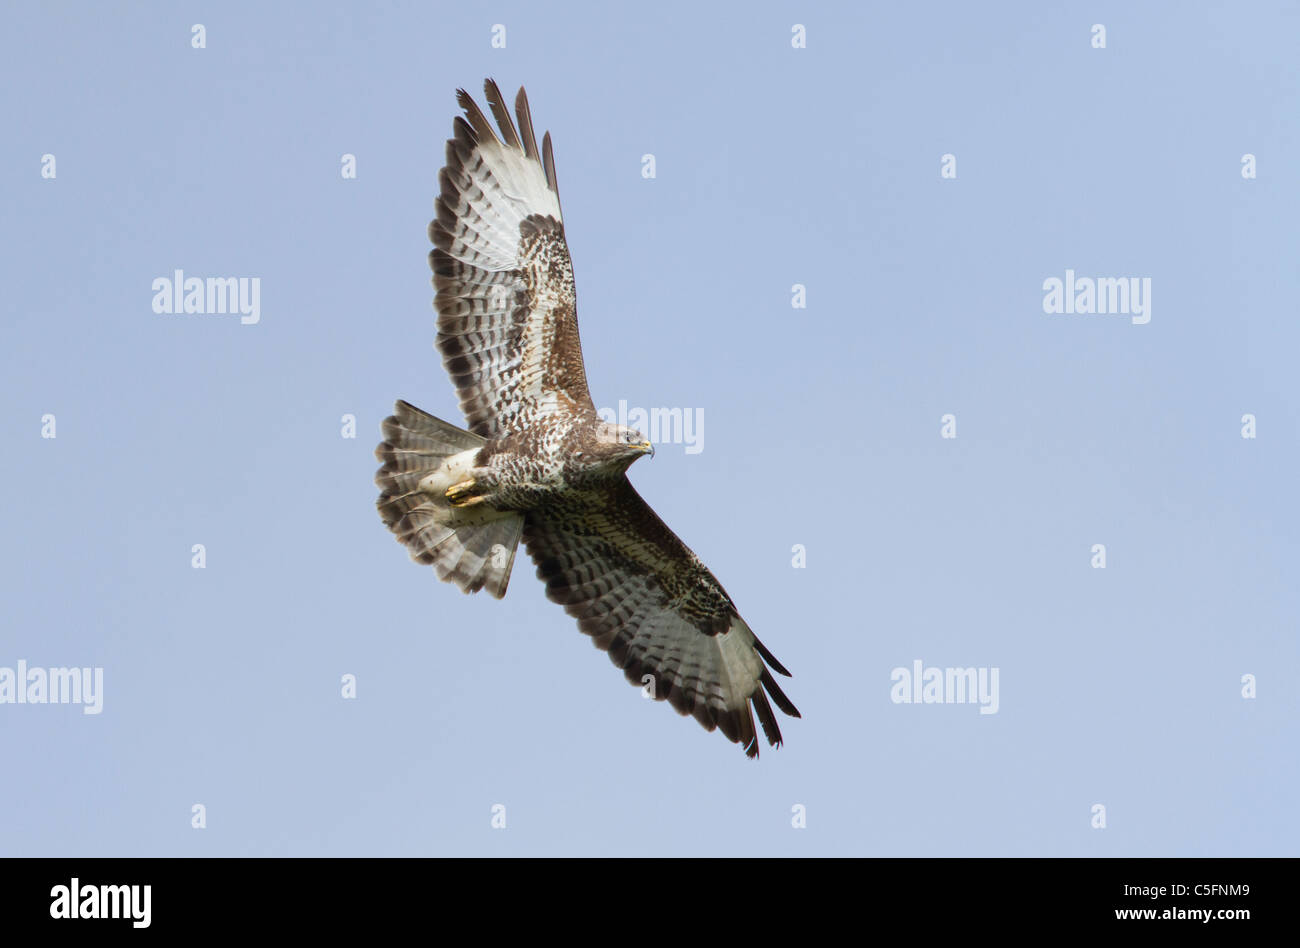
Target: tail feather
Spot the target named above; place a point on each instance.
(474, 555)
(478, 557)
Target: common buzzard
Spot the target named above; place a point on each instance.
(537, 461)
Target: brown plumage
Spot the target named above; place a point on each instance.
(537, 462)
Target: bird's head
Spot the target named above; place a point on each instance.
(617, 445)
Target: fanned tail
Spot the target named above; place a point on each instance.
(474, 553)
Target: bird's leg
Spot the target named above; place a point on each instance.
(465, 493)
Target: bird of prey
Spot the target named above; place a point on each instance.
(537, 462)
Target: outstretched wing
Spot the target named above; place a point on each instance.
(645, 598)
(507, 324)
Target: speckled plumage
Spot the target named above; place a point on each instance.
(537, 462)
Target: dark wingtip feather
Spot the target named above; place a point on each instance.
(497, 103)
(548, 165)
(526, 123)
(771, 730)
(747, 737)
(773, 689)
(482, 127)
(770, 658)
(466, 103)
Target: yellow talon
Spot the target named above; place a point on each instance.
(462, 494)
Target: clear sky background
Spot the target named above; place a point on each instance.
(774, 166)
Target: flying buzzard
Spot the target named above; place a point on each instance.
(537, 461)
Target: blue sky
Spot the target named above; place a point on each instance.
(774, 166)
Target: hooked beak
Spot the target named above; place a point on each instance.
(647, 448)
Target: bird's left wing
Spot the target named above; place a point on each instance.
(508, 322)
(647, 600)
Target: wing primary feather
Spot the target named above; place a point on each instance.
(782, 702)
(526, 123)
(765, 717)
(466, 138)
(770, 658)
(502, 114)
(748, 736)
(548, 165)
(482, 127)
